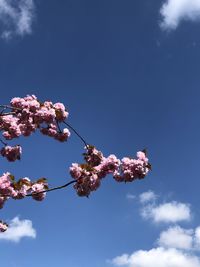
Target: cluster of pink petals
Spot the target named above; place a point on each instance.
(9, 188)
(38, 191)
(96, 167)
(132, 169)
(52, 131)
(26, 116)
(3, 226)
(40, 112)
(29, 114)
(11, 153)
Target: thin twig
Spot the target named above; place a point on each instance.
(53, 189)
(72, 128)
(10, 107)
(5, 144)
(47, 190)
(58, 125)
(3, 110)
(20, 109)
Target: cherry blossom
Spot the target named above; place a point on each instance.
(26, 115)
(11, 153)
(96, 167)
(3, 226)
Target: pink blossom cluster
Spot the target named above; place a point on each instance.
(11, 153)
(9, 188)
(52, 131)
(132, 169)
(96, 167)
(28, 114)
(3, 226)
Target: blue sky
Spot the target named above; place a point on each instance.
(128, 72)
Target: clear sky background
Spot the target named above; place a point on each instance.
(128, 72)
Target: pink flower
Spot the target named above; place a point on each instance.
(48, 104)
(3, 226)
(30, 115)
(7, 135)
(86, 184)
(142, 156)
(6, 188)
(17, 102)
(24, 187)
(132, 169)
(75, 171)
(11, 153)
(63, 136)
(93, 156)
(61, 113)
(2, 201)
(37, 191)
(90, 174)
(108, 165)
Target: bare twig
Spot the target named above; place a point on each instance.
(10, 107)
(5, 144)
(72, 128)
(53, 189)
(58, 125)
(47, 190)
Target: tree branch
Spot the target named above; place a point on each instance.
(53, 189)
(6, 114)
(5, 144)
(72, 128)
(10, 107)
(19, 109)
(47, 190)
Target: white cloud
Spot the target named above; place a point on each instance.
(177, 247)
(176, 237)
(170, 212)
(16, 17)
(157, 257)
(147, 196)
(121, 260)
(175, 11)
(197, 238)
(18, 229)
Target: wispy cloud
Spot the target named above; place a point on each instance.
(197, 238)
(170, 212)
(173, 12)
(16, 17)
(130, 196)
(18, 229)
(147, 196)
